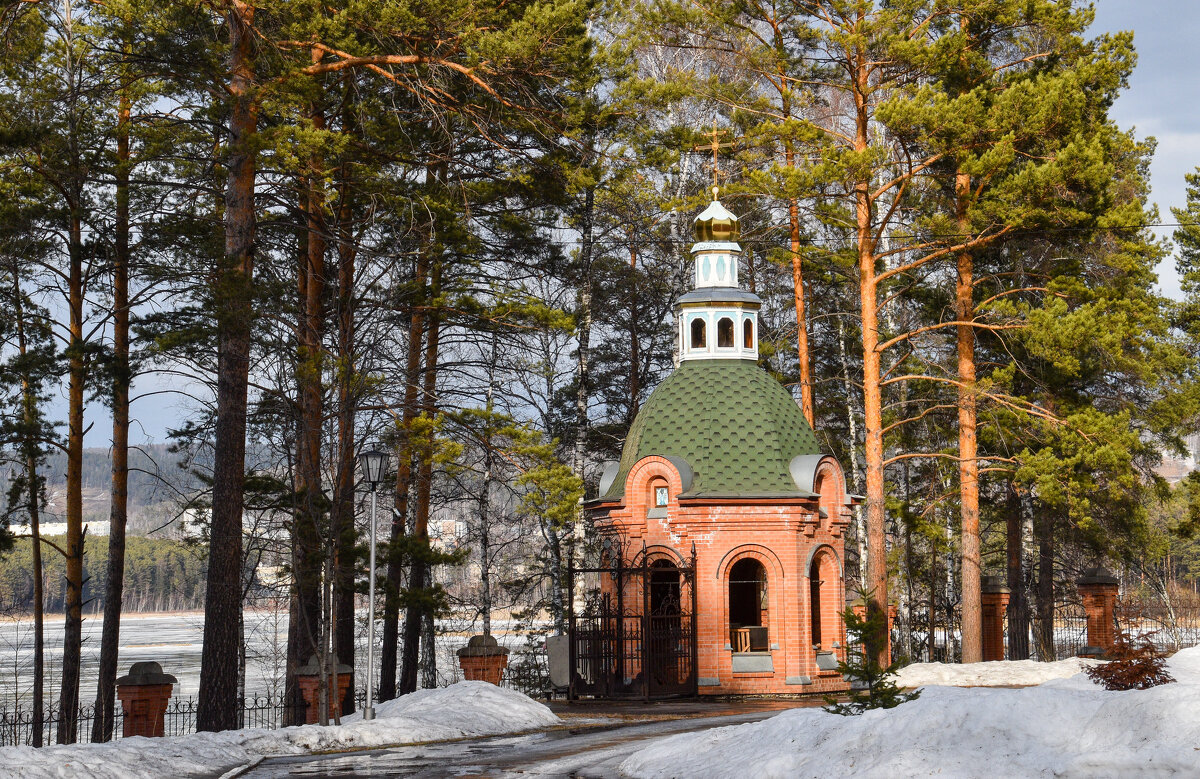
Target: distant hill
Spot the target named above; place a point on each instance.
(156, 483)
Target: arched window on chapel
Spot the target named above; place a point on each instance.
(748, 606)
(698, 334)
(748, 334)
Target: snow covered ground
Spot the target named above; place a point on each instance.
(1009, 673)
(461, 710)
(1066, 727)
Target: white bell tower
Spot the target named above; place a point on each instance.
(717, 320)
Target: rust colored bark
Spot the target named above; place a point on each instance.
(305, 626)
(877, 573)
(400, 508)
(77, 376)
(102, 725)
(217, 708)
(342, 514)
(968, 462)
(419, 573)
(806, 388)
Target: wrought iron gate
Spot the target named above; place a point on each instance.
(635, 635)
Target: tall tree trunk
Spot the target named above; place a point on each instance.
(968, 462)
(806, 388)
(635, 357)
(31, 448)
(77, 371)
(404, 462)
(39, 609)
(305, 624)
(217, 708)
(584, 325)
(342, 513)
(860, 530)
(485, 497)
(1043, 528)
(1018, 603)
(102, 725)
(419, 576)
(877, 573)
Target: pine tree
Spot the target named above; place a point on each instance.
(872, 685)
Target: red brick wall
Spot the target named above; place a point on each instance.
(781, 535)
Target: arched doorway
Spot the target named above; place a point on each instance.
(665, 626)
(636, 634)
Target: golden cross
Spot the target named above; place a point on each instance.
(716, 147)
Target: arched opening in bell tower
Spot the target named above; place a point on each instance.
(725, 333)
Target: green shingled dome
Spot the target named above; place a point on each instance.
(736, 426)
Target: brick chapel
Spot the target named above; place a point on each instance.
(723, 496)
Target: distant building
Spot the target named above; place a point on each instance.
(1175, 468)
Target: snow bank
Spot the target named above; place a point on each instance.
(463, 709)
(1008, 673)
(1063, 728)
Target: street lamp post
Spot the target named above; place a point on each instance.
(373, 463)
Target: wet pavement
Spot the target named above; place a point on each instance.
(593, 743)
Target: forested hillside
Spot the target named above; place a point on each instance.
(160, 575)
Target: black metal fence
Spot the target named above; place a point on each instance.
(19, 724)
(527, 673)
(1170, 626)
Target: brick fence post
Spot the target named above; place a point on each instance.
(308, 679)
(483, 660)
(144, 693)
(995, 604)
(1098, 590)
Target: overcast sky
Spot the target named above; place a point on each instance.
(1163, 100)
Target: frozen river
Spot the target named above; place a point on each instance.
(172, 640)
(175, 642)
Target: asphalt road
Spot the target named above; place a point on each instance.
(583, 751)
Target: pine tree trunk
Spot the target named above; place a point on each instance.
(635, 357)
(968, 462)
(877, 573)
(485, 498)
(400, 508)
(860, 530)
(798, 295)
(419, 576)
(1043, 528)
(31, 449)
(584, 324)
(77, 369)
(102, 725)
(429, 677)
(1018, 604)
(305, 624)
(342, 515)
(217, 708)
